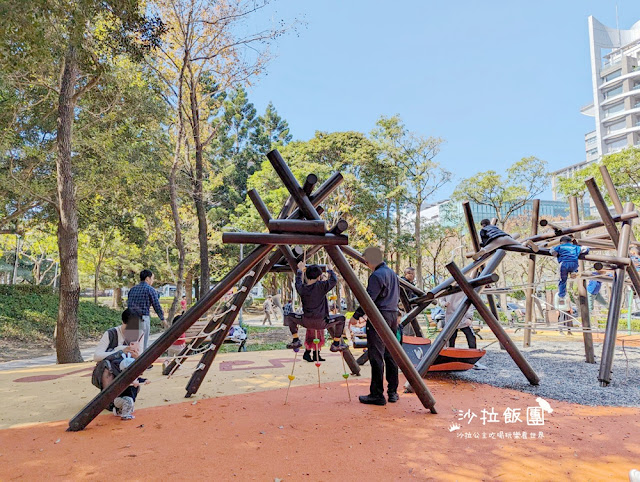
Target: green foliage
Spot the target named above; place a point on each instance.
(29, 313)
(506, 193)
(623, 169)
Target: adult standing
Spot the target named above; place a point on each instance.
(277, 303)
(384, 291)
(267, 306)
(140, 300)
(451, 304)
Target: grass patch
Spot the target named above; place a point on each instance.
(29, 315)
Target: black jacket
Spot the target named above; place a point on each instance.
(383, 289)
(489, 233)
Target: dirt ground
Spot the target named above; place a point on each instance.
(321, 435)
(12, 350)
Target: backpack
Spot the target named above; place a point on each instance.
(112, 362)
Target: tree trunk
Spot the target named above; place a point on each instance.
(67, 347)
(173, 196)
(17, 260)
(503, 277)
(387, 228)
(418, 228)
(95, 283)
(398, 234)
(196, 285)
(198, 194)
(189, 287)
(117, 292)
(338, 297)
(36, 274)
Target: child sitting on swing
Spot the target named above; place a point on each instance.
(315, 317)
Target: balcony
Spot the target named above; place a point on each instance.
(612, 82)
(621, 132)
(608, 63)
(616, 98)
(621, 113)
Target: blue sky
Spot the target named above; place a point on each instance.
(497, 80)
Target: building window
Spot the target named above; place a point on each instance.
(612, 92)
(591, 140)
(592, 152)
(614, 109)
(613, 75)
(617, 145)
(616, 126)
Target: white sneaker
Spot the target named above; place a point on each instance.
(479, 366)
(634, 475)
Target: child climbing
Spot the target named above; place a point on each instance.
(567, 254)
(315, 317)
(492, 238)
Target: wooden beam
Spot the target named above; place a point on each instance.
(531, 277)
(583, 302)
(375, 317)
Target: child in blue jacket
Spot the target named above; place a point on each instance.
(567, 254)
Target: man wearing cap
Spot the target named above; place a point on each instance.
(384, 291)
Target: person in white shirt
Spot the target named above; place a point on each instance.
(114, 353)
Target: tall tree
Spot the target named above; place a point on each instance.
(507, 193)
(416, 171)
(623, 169)
(67, 46)
(388, 135)
(523, 181)
(213, 54)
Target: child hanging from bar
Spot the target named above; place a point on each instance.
(567, 254)
(315, 317)
(492, 238)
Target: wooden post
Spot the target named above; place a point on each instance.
(452, 325)
(613, 193)
(494, 324)
(374, 315)
(264, 238)
(198, 376)
(262, 209)
(311, 180)
(531, 277)
(403, 285)
(207, 359)
(615, 303)
(610, 224)
(476, 283)
(473, 233)
(617, 260)
(122, 381)
(581, 227)
(299, 226)
(583, 302)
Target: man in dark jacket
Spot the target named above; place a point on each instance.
(384, 291)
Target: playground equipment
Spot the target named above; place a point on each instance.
(303, 226)
(250, 270)
(614, 239)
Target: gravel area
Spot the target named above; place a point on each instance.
(563, 373)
